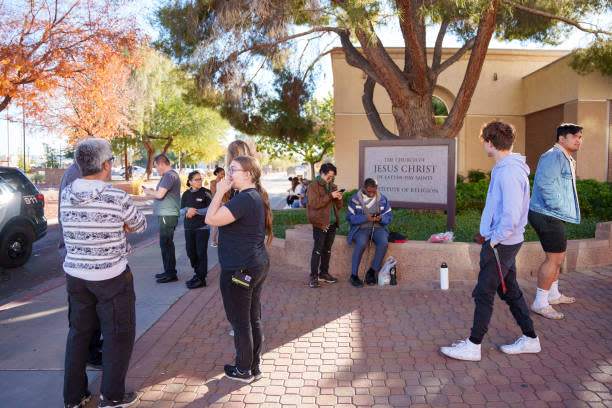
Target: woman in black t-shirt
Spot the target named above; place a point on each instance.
(194, 204)
(243, 223)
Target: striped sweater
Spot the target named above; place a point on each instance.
(93, 214)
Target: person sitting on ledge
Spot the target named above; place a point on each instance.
(369, 213)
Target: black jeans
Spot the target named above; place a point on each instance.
(321, 250)
(167, 225)
(112, 301)
(243, 309)
(196, 243)
(489, 282)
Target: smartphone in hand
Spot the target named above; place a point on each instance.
(342, 190)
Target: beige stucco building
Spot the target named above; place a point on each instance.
(532, 89)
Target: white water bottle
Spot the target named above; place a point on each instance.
(444, 276)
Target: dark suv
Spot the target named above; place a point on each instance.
(22, 218)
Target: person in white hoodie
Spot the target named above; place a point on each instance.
(95, 217)
(502, 225)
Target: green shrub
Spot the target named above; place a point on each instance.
(346, 196)
(595, 199)
(475, 176)
(472, 196)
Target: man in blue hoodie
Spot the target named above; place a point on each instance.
(501, 228)
(553, 203)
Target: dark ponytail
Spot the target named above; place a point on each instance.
(269, 216)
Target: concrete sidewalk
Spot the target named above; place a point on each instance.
(339, 346)
(34, 327)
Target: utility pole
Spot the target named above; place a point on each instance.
(8, 140)
(24, 137)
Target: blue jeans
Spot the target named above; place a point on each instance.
(361, 237)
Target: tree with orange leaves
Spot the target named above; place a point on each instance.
(95, 101)
(43, 44)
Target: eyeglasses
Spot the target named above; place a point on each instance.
(232, 170)
(112, 158)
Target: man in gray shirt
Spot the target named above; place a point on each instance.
(166, 205)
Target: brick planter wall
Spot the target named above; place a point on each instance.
(418, 260)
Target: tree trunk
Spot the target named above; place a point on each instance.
(181, 162)
(312, 173)
(167, 145)
(5, 102)
(149, 148)
(125, 159)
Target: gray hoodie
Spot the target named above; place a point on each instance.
(504, 217)
(93, 214)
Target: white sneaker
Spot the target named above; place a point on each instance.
(548, 312)
(464, 350)
(523, 345)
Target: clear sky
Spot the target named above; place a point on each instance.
(144, 11)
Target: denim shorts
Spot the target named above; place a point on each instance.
(550, 230)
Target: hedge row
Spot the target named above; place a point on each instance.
(595, 197)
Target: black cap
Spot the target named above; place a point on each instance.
(443, 265)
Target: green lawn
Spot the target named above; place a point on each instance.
(417, 226)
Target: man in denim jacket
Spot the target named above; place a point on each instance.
(554, 201)
(369, 213)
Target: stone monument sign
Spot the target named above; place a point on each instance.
(412, 173)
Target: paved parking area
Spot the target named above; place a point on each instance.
(340, 346)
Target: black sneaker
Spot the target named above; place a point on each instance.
(233, 373)
(257, 374)
(355, 281)
(167, 278)
(328, 278)
(160, 275)
(314, 282)
(128, 399)
(195, 282)
(83, 402)
(370, 277)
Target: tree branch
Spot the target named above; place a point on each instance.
(437, 55)
(554, 17)
(486, 27)
(455, 57)
(412, 28)
(372, 114)
(312, 64)
(236, 54)
(355, 58)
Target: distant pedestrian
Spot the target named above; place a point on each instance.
(243, 223)
(94, 359)
(502, 226)
(166, 206)
(194, 204)
(219, 174)
(95, 217)
(554, 202)
(324, 201)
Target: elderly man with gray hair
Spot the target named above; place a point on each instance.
(95, 217)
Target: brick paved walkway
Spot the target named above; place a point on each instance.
(340, 346)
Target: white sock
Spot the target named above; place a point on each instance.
(541, 299)
(553, 293)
